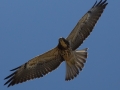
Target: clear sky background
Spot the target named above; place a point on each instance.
(31, 27)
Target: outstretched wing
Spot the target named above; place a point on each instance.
(36, 67)
(86, 24)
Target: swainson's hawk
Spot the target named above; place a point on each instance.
(64, 51)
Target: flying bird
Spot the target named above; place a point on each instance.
(66, 50)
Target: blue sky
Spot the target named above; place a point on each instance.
(32, 27)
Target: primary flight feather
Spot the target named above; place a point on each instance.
(64, 51)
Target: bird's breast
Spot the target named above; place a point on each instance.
(68, 56)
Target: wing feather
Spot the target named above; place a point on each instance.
(86, 24)
(35, 68)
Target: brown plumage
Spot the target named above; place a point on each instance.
(64, 51)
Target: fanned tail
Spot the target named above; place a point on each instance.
(75, 64)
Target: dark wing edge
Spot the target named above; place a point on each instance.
(86, 24)
(35, 68)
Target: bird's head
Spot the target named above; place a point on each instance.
(63, 43)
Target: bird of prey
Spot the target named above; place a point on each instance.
(64, 51)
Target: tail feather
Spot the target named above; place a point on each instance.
(72, 72)
(79, 59)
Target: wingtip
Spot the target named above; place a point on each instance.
(15, 68)
(101, 2)
(94, 4)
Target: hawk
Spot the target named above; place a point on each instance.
(64, 51)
